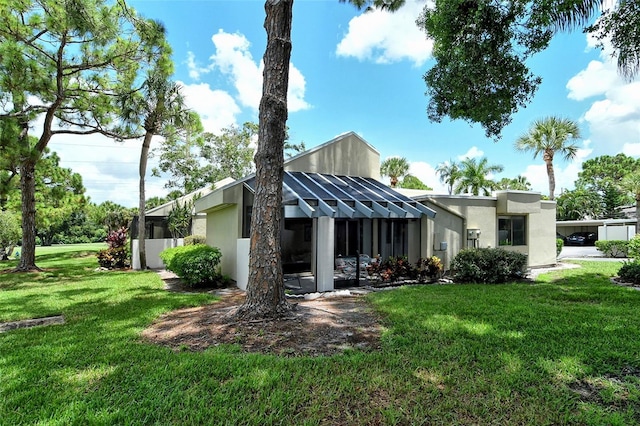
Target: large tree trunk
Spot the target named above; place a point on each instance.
(28, 188)
(265, 289)
(144, 155)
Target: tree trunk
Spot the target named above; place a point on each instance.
(265, 289)
(551, 175)
(28, 189)
(144, 155)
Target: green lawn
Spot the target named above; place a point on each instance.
(565, 350)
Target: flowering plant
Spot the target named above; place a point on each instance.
(430, 267)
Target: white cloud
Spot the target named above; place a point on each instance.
(427, 174)
(195, 70)
(631, 149)
(595, 80)
(473, 152)
(233, 59)
(295, 95)
(217, 109)
(385, 37)
(613, 115)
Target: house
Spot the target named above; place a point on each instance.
(157, 227)
(519, 221)
(335, 206)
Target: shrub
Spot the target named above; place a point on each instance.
(630, 271)
(117, 254)
(488, 266)
(392, 269)
(194, 239)
(634, 247)
(429, 268)
(10, 233)
(179, 219)
(196, 265)
(559, 245)
(613, 248)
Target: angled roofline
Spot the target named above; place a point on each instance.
(332, 141)
(202, 192)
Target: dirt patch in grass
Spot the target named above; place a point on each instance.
(322, 326)
(613, 391)
(32, 322)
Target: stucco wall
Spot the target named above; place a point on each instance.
(447, 227)
(152, 249)
(456, 214)
(222, 232)
(479, 213)
(542, 235)
(518, 202)
(242, 267)
(199, 224)
(345, 155)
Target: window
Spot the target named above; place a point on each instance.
(511, 231)
(246, 221)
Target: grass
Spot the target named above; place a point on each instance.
(564, 350)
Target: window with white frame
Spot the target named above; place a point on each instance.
(512, 231)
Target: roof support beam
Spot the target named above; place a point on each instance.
(344, 208)
(304, 206)
(381, 210)
(426, 210)
(326, 208)
(411, 210)
(397, 210)
(364, 209)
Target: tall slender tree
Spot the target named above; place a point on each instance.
(449, 173)
(547, 137)
(474, 176)
(395, 168)
(265, 288)
(158, 109)
(65, 60)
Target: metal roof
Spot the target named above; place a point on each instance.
(315, 194)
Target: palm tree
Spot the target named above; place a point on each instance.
(449, 173)
(158, 109)
(473, 176)
(631, 183)
(519, 183)
(395, 168)
(547, 137)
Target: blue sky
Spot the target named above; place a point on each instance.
(362, 72)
